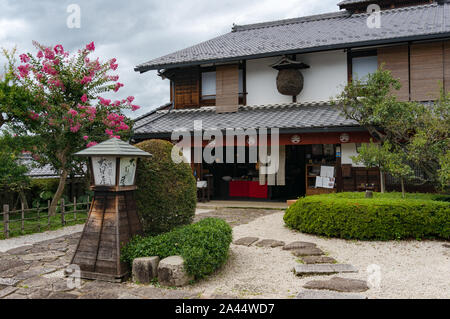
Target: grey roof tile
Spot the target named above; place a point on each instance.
(283, 116)
(333, 30)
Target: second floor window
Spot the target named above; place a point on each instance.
(209, 85)
(363, 66)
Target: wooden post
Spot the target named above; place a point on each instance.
(75, 208)
(23, 218)
(6, 220)
(48, 214)
(38, 218)
(63, 220)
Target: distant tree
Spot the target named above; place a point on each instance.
(68, 113)
(415, 133)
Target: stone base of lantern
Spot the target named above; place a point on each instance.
(112, 222)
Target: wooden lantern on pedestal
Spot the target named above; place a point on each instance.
(113, 218)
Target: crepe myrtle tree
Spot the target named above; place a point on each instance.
(68, 112)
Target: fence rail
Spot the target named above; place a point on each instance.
(37, 219)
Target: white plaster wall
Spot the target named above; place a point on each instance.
(324, 80)
(347, 150)
(261, 83)
(326, 77)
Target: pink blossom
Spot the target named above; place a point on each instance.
(49, 69)
(86, 79)
(85, 137)
(130, 99)
(75, 128)
(118, 86)
(90, 46)
(40, 55)
(109, 132)
(135, 107)
(116, 136)
(91, 144)
(48, 53)
(72, 112)
(84, 98)
(59, 49)
(104, 102)
(24, 58)
(113, 66)
(56, 61)
(24, 70)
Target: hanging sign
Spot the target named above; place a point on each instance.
(344, 138)
(296, 139)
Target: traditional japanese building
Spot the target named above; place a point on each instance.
(283, 75)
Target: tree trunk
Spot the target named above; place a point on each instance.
(382, 182)
(23, 198)
(59, 192)
(402, 182)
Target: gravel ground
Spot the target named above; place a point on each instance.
(15, 242)
(409, 269)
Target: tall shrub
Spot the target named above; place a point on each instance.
(167, 192)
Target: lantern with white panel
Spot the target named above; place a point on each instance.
(113, 218)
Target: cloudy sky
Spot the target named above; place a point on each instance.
(136, 31)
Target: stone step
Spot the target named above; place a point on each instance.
(325, 294)
(246, 241)
(323, 269)
(298, 245)
(338, 284)
(272, 243)
(307, 251)
(318, 260)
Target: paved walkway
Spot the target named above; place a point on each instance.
(242, 204)
(35, 270)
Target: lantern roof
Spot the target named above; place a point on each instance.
(113, 147)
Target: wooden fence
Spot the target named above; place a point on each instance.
(37, 219)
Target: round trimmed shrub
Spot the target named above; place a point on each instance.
(167, 192)
(384, 217)
(204, 246)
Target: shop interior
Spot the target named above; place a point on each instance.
(304, 167)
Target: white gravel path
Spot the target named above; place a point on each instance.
(15, 242)
(409, 269)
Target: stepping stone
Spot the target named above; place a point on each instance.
(323, 269)
(9, 263)
(7, 291)
(269, 243)
(323, 294)
(308, 251)
(246, 241)
(318, 260)
(19, 250)
(298, 245)
(8, 281)
(338, 284)
(446, 245)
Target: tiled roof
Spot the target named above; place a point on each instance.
(312, 33)
(37, 171)
(283, 116)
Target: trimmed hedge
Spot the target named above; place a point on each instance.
(167, 192)
(384, 217)
(203, 246)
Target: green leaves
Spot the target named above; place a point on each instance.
(203, 246)
(385, 217)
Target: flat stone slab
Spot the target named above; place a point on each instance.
(324, 294)
(307, 251)
(246, 241)
(270, 243)
(338, 284)
(7, 291)
(318, 260)
(8, 281)
(298, 245)
(145, 269)
(323, 269)
(19, 250)
(9, 263)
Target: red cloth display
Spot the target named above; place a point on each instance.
(247, 189)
